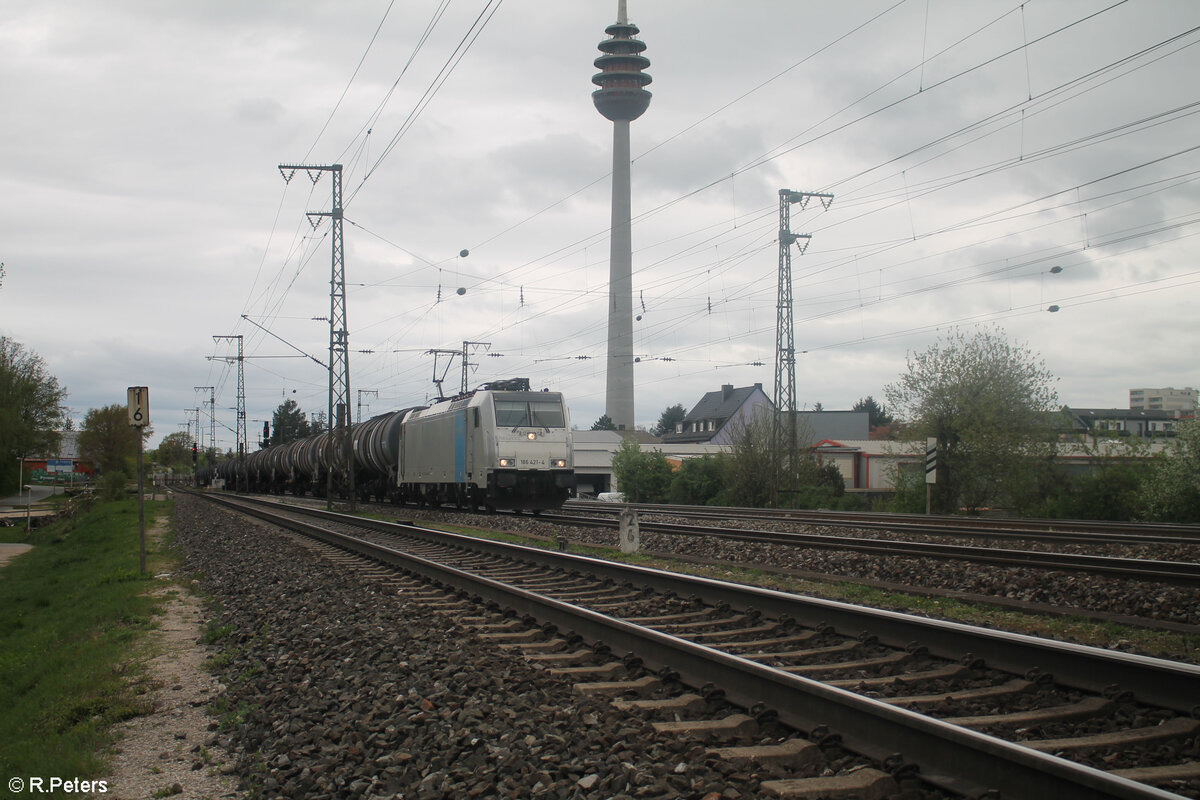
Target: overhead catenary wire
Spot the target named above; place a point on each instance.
(460, 51)
(333, 111)
(490, 277)
(436, 17)
(770, 155)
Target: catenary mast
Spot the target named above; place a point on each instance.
(622, 98)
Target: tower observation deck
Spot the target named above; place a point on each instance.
(622, 94)
(621, 98)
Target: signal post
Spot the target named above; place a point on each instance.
(139, 418)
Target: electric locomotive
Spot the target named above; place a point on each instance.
(501, 446)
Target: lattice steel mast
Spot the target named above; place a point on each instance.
(211, 402)
(241, 407)
(785, 446)
(339, 337)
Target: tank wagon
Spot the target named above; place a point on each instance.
(501, 446)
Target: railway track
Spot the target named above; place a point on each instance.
(1176, 572)
(1079, 531)
(959, 699)
(1179, 573)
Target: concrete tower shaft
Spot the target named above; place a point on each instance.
(621, 98)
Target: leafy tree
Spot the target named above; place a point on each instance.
(1172, 491)
(175, 450)
(643, 477)
(207, 457)
(288, 423)
(877, 415)
(31, 408)
(107, 439)
(670, 417)
(317, 424)
(991, 406)
(605, 423)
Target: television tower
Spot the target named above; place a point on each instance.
(622, 98)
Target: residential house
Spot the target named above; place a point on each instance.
(718, 415)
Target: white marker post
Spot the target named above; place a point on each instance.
(930, 471)
(139, 417)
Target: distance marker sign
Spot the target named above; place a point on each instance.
(139, 406)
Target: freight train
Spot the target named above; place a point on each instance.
(501, 446)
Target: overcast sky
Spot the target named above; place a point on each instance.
(971, 147)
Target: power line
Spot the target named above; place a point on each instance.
(350, 82)
(468, 39)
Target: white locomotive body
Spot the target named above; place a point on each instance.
(497, 448)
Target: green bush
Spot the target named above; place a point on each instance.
(1171, 492)
(642, 477)
(1110, 493)
(700, 481)
(910, 492)
(809, 497)
(852, 502)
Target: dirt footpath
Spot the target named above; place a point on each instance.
(10, 550)
(171, 752)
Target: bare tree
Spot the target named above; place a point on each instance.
(756, 471)
(992, 407)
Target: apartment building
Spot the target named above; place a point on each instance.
(1168, 399)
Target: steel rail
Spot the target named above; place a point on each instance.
(955, 758)
(998, 527)
(1169, 684)
(1176, 572)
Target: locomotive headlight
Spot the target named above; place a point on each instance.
(506, 462)
(531, 435)
(560, 462)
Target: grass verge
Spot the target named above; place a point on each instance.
(71, 610)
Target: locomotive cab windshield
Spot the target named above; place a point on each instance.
(542, 412)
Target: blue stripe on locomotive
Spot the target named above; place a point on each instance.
(460, 446)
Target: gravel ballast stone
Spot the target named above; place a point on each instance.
(336, 687)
